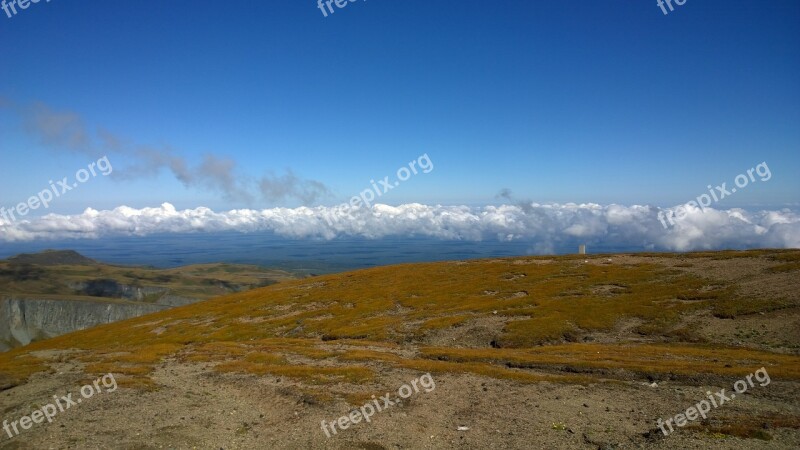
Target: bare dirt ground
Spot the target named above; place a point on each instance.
(198, 409)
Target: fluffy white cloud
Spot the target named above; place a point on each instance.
(543, 224)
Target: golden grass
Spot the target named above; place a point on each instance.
(311, 329)
(102, 368)
(16, 367)
(363, 343)
(786, 267)
(484, 369)
(681, 359)
(357, 399)
(136, 365)
(492, 371)
(730, 308)
(749, 426)
(214, 351)
(371, 355)
(311, 396)
(148, 354)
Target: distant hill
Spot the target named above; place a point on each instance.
(53, 258)
(58, 291)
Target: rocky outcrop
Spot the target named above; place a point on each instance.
(23, 320)
(175, 300)
(113, 289)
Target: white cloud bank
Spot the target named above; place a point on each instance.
(545, 224)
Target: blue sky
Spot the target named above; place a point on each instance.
(559, 101)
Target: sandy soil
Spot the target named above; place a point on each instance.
(199, 409)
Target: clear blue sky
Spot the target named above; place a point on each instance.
(560, 101)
